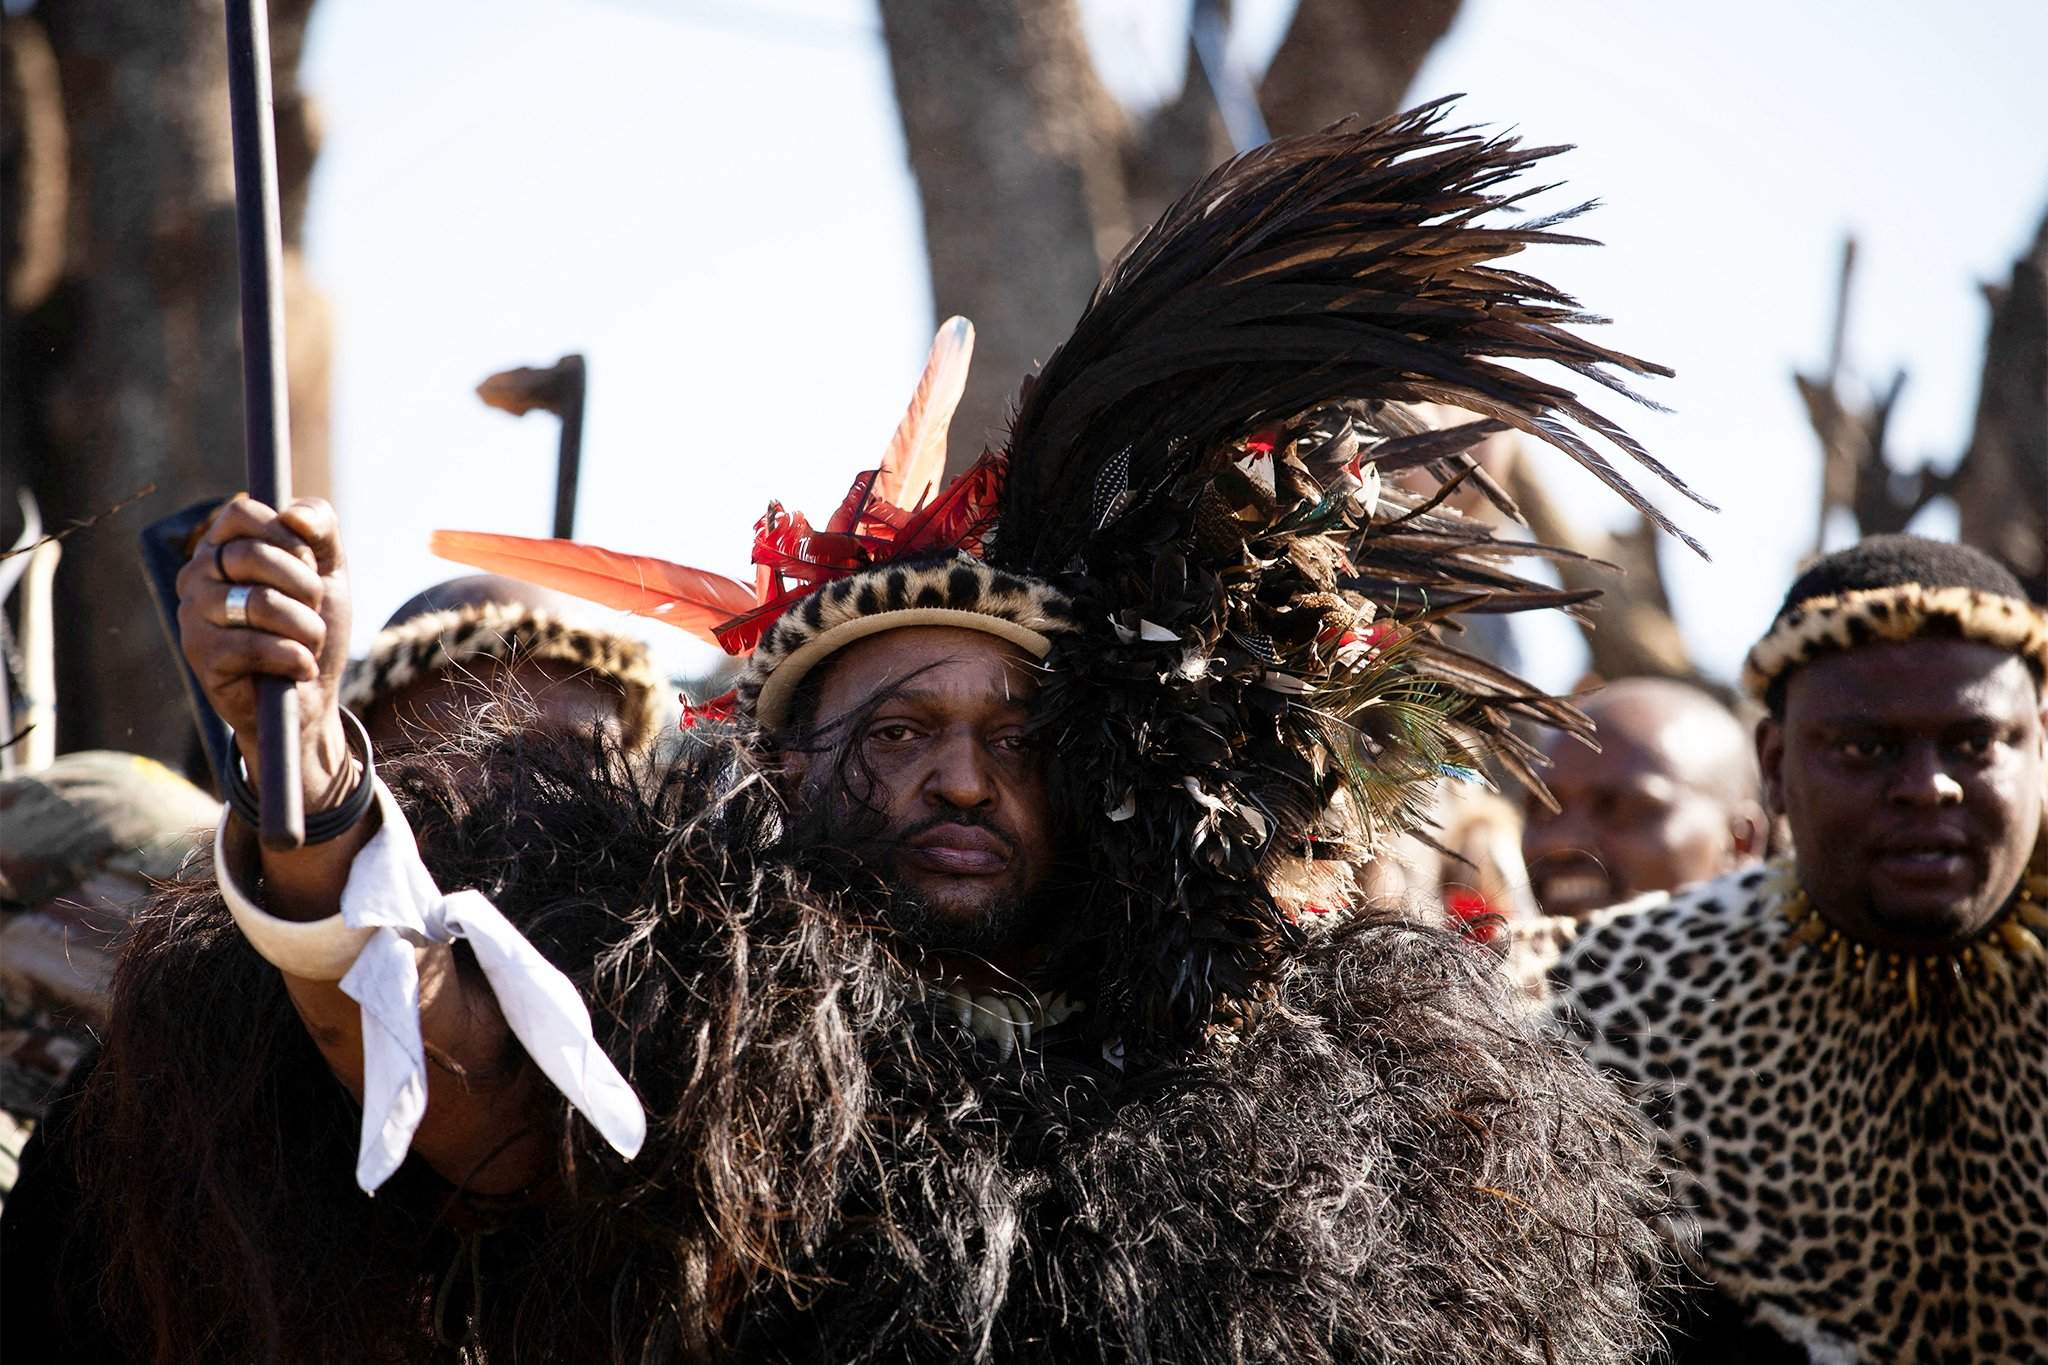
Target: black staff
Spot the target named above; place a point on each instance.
(259, 244)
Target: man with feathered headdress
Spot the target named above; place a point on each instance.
(988, 982)
(1846, 1051)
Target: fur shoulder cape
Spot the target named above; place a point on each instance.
(1870, 1178)
(1380, 1164)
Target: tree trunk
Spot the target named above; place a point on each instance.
(1346, 57)
(1014, 143)
(1032, 178)
(128, 374)
(2001, 488)
(1179, 143)
(1630, 631)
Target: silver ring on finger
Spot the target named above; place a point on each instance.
(238, 606)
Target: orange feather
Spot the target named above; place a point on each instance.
(916, 458)
(689, 599)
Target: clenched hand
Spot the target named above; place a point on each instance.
(289, 576)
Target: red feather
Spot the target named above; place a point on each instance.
(853, 510)
(959, 517)
(689, 599)
(714, 709)
(741, 633)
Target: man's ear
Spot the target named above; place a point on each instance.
(1770, 763)
(1749, 829)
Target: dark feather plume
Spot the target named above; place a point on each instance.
(1268, 670)
(1332, 266)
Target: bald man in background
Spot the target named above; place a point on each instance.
(1670, 798)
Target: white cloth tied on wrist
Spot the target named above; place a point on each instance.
(391, 907)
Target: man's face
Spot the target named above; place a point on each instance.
(445, 703)
(1629, 823)
(1912, 776)
(924, 767)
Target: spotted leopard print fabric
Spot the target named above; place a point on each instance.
(1869, 1181)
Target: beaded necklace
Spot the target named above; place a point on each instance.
(1986, 963)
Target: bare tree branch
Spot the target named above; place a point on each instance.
(2000, 485)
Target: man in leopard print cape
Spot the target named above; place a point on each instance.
(1846, 1051)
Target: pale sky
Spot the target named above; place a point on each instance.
(711, 202)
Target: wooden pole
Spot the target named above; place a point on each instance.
(267, 444)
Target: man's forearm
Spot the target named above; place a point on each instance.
(306, 883)
(480, 1130)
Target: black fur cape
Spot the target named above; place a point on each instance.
(1379, 1164)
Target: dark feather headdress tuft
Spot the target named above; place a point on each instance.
(1252, 681)
(1342, 264)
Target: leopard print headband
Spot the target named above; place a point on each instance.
(411, 650)
(1879, 615)
(954, 590)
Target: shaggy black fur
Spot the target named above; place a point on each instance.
(1379, 1165)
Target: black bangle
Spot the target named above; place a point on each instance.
(321, 826)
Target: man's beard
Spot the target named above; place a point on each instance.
(1003, 925)
(849, 850)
